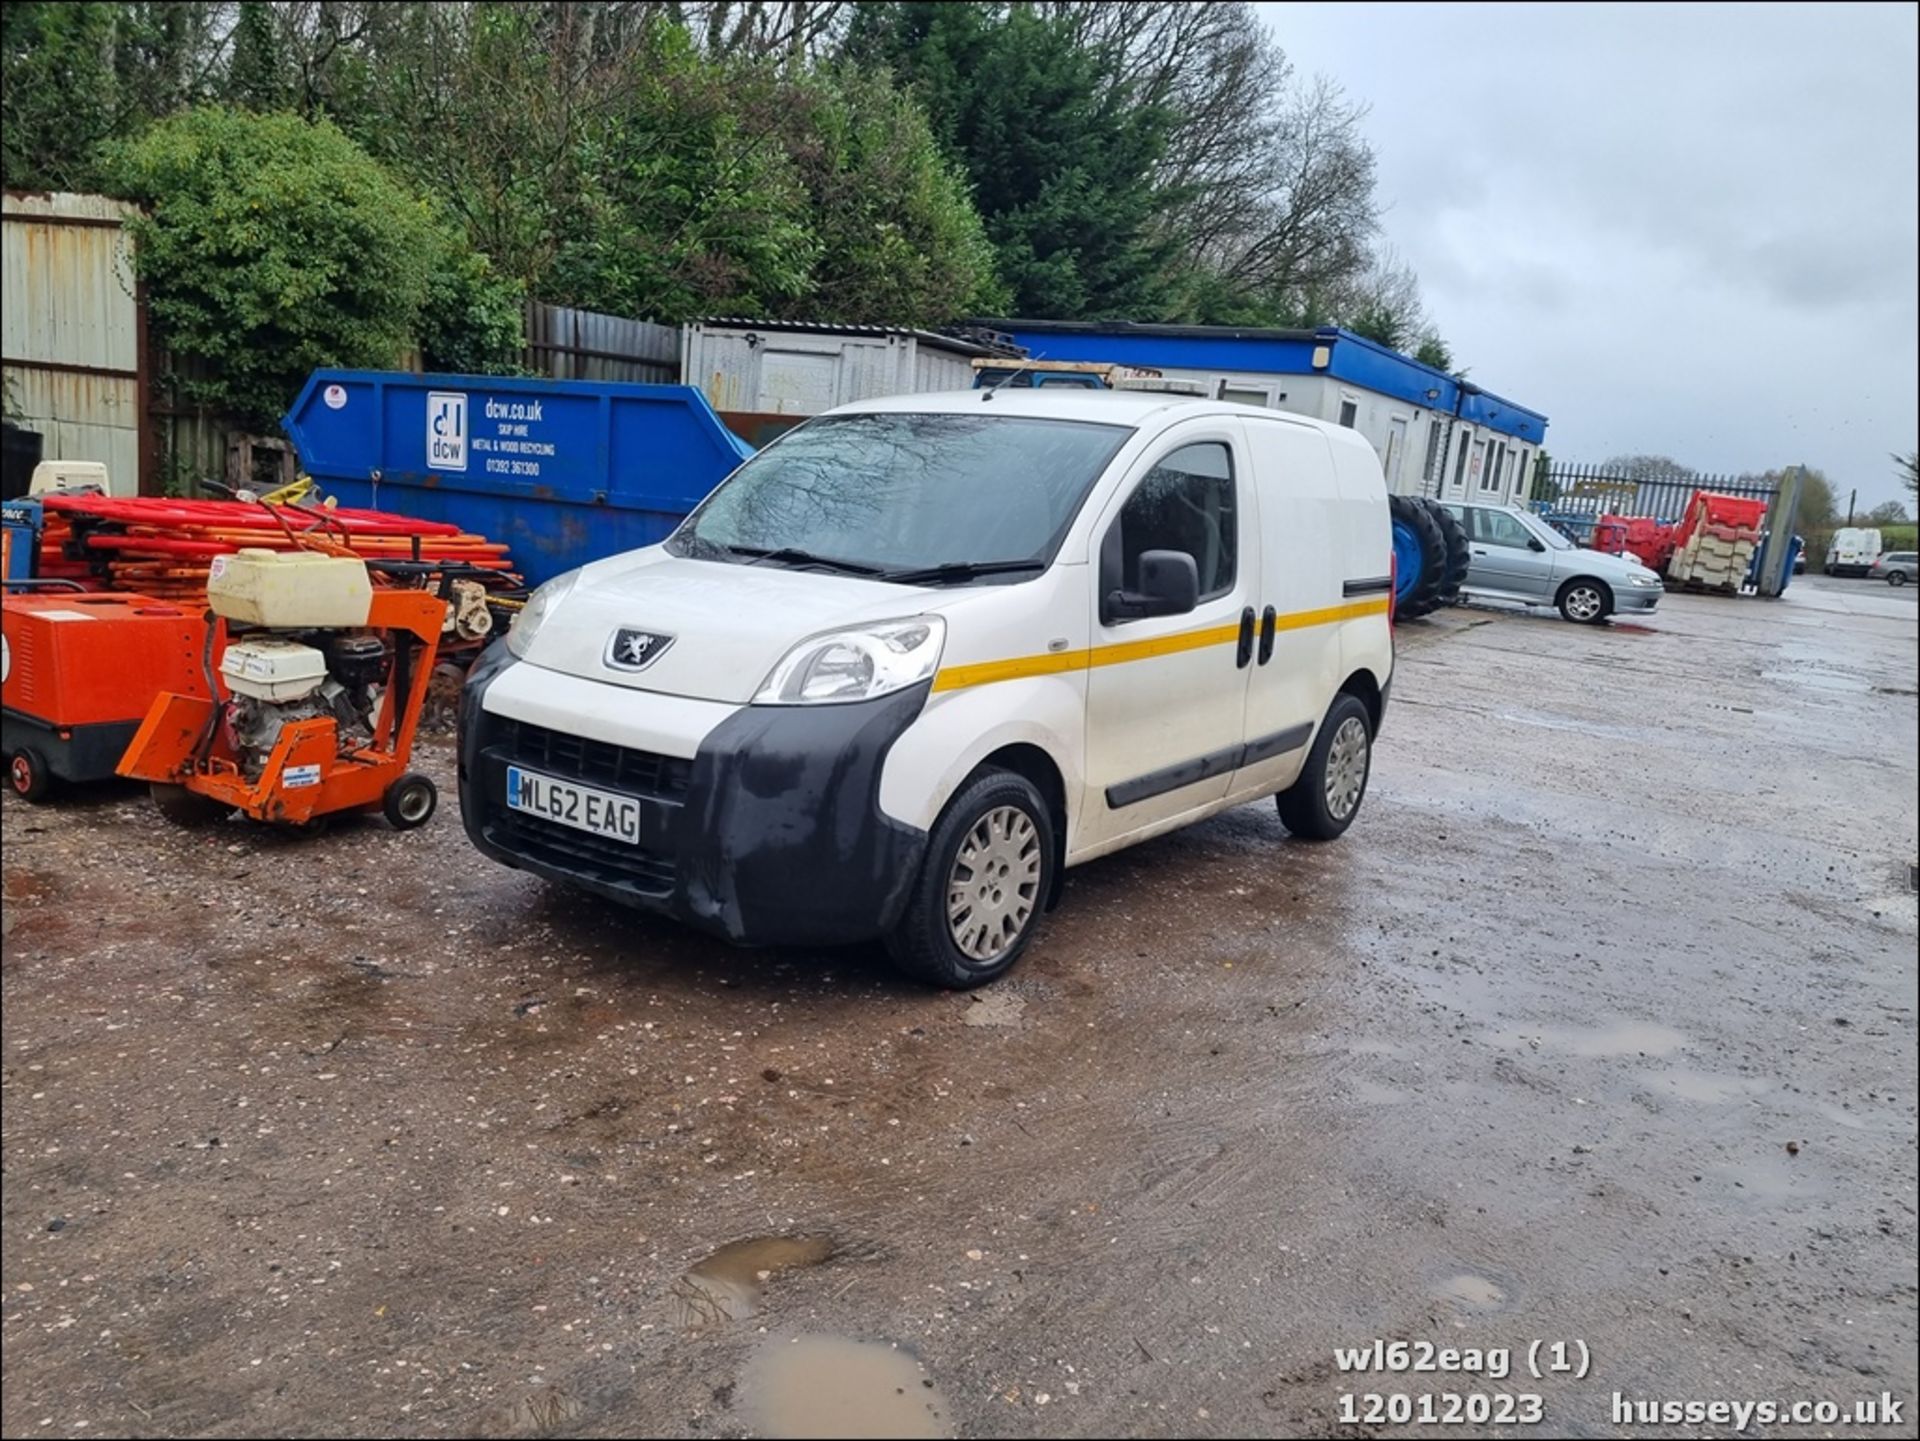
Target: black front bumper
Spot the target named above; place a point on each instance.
(771, 835)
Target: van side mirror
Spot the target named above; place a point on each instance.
(1169, 585)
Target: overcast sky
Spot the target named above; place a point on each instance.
(1687, 230)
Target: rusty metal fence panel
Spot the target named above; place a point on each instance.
(72, 331)
(568, 344)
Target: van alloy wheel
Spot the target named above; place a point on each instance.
(994, 885)
(1346, 767)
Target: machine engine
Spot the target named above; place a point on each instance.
(277, 679)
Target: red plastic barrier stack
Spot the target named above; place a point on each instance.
(162, 547)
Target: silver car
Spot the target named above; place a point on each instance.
(1515, 555)
(1897, 567)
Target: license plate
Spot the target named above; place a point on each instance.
(601, 813)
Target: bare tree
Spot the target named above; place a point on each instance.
(1267, 181)
(793, 31)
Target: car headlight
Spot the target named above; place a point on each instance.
(534, 613)
(856, 664)
(1643, 578)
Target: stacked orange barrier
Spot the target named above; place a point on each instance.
(163, 547)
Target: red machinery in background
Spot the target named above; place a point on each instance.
(80, 669)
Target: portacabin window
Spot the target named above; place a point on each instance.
(1186, 503)
(1349, 413)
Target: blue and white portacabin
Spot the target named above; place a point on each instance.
(921, 655)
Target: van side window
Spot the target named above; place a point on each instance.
(1185, 503)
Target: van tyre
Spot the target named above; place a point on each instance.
(28, 776)
(410, 801)
(1418, 546)
(982, 886)
(1459, 554)
(1585, 601)
(1323, 802)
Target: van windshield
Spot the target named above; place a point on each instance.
(940, 498)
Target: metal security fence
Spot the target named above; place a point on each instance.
(569, 344)
(1592, 490)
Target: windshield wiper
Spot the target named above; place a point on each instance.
(791, 555)
(959, 570)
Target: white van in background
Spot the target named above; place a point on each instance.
(921, 654)
(1853, 550)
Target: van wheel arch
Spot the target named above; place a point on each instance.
(1035, 765)
(1364, 688)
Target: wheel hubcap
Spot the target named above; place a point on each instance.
(1584, 603)
(414, 803)
(994, 884)
(21, 775)
(1347, 768)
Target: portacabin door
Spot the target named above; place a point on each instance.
(1166, 694)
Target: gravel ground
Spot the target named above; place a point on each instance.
(1599, 1027)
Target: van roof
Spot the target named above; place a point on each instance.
(1050, 402)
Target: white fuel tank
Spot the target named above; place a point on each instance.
(290, 590)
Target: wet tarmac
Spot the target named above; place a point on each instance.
(1599, 1027)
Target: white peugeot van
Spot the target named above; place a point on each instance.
(920, 655)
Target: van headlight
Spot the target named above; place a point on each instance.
(857, 664)
(534, 613)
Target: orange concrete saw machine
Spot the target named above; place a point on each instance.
(324, 676)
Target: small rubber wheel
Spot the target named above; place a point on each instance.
(410, 801)
(1584, 601)
(28, 776)
(983, 882)
(1323, 802)
(187, 808)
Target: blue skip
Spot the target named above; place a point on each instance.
(562, 471)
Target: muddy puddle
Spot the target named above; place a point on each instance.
(1706, 1089)
(834, 1386)
(1474, 1292)
(1625, 1038)
(538, 1413)
(729, 1284)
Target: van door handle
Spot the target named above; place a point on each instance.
(1246, 639)
(1267, 627)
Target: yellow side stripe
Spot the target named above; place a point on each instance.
(958, 677)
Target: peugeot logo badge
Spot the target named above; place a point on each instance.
(635, 649)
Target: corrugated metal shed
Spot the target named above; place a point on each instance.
(72, 331)
(786, 367)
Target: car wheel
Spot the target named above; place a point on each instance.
(1324, 801)
(28, 776)
(1420, 557)
(1584, 601)
(982, 884)
(1896, 577)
